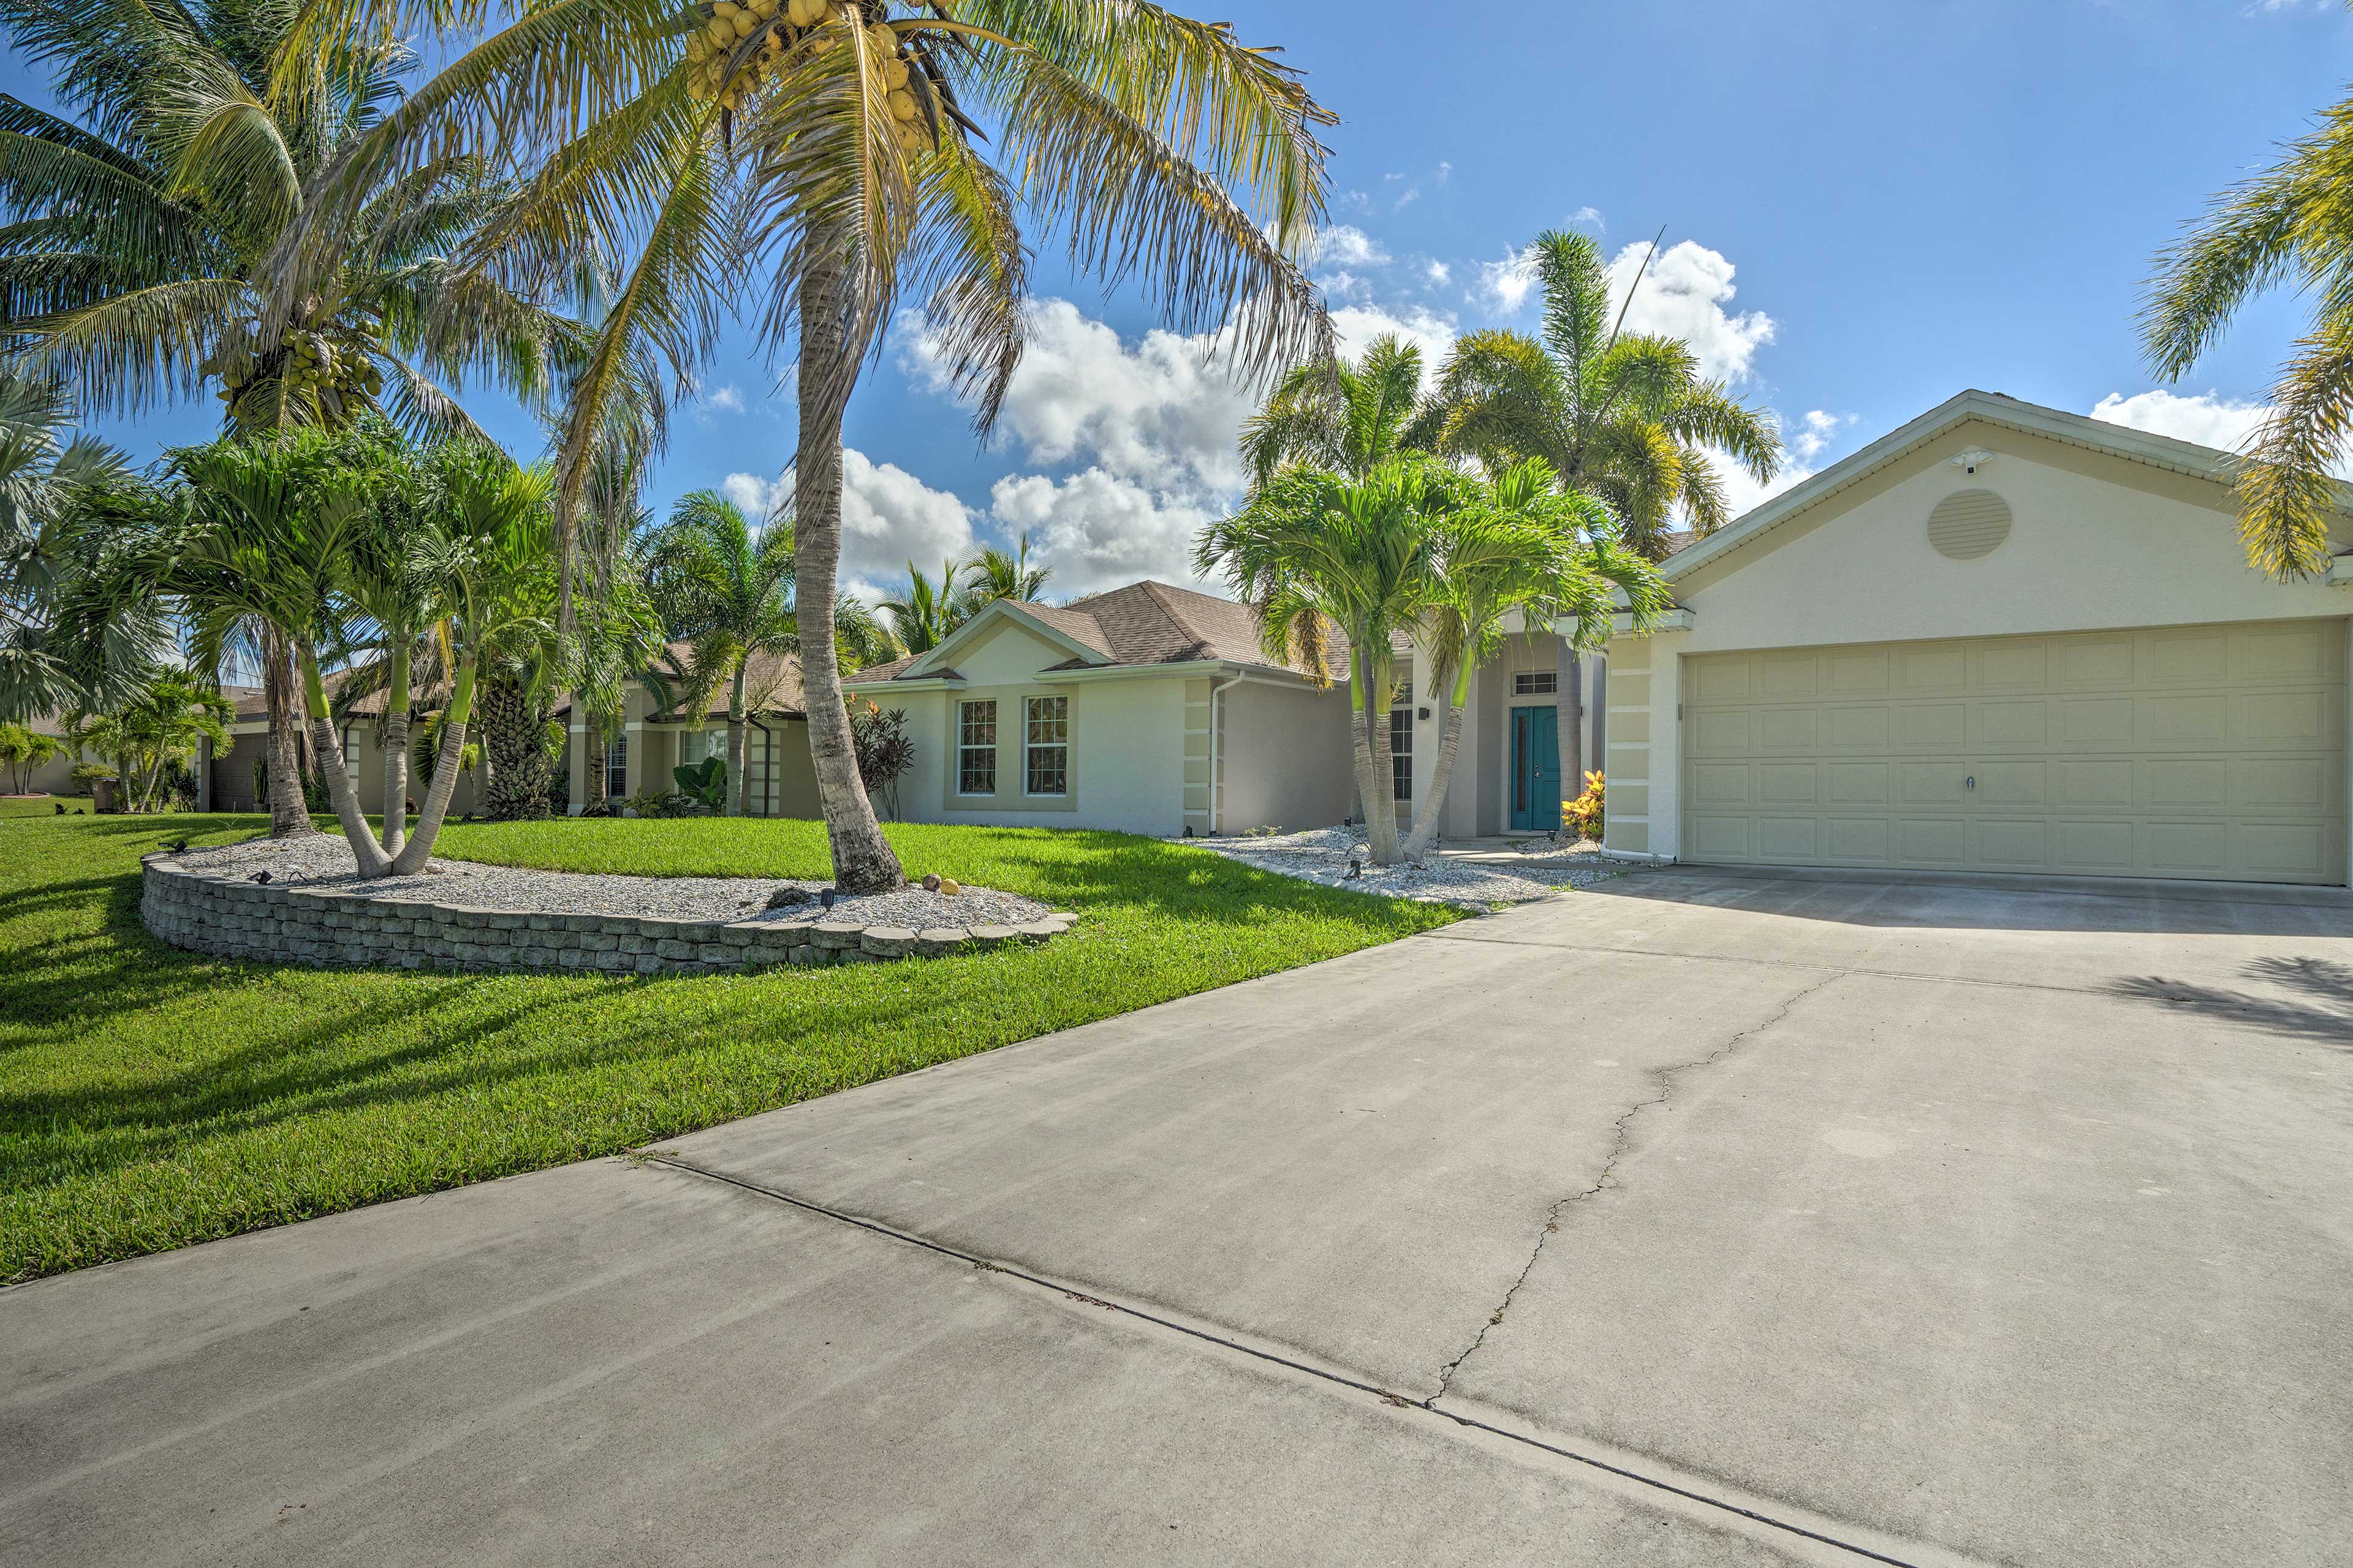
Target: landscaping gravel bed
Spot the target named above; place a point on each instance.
(326, 860)
(1476, 876)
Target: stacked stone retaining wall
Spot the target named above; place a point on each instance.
(234, 917)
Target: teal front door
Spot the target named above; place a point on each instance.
(1535, 769)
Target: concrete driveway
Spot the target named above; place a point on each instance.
(1697, 1218)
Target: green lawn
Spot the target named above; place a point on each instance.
(38, 805)
(150, 1098)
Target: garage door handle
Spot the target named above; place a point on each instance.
(1972, 781)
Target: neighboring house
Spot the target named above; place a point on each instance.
(2003, 638)
(658, 737)
(1148, 709)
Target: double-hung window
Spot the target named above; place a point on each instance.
(1402, 750)
(975, 748)
(1046, 746)
(616, 767)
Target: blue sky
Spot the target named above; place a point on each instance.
(1868, 206)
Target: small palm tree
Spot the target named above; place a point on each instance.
(1345, 418)
(2291, 223)
(1625, 417)
(727, 589)
(173, 712)
(922, 616)
(992, 573)
(1519, 545)
(1313, 550)
(21, 749)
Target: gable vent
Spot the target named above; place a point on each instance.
(1967, 524)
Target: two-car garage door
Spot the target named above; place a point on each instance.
(2193, 752)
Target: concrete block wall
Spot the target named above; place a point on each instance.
(237, 918)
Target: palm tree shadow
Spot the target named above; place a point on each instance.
(2318, 1007)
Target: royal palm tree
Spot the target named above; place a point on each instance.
(990, 574)
(1520, 545)
(1312, 551)
(2293, 224)
(139, 259)
(809, 163)
(922, 616)
(727, 590)
(1332, 415)
(1627, 417)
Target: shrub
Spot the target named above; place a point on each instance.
(879, 736)
(1582, 815)
(703, 784)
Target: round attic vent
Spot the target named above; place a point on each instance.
(1967, 524)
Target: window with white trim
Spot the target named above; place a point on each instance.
(977, 748)
(616, 767)
(1536, 683)
(1046, 746)
(1401, 752)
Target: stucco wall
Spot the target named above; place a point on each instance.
(2096, 542)
(1285, 753)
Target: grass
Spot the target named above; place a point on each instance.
(38, 804)
(151, 1098)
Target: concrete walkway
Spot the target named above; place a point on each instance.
(1694, 1219)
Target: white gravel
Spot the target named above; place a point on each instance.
(326, 860)
(1472, 878)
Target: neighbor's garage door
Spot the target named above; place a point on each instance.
(2210, 752)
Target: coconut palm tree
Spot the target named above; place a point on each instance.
(991, 573)
(1312, 551)
(922, 615)
(1520, 545)
(809, 163)
(137, 259)
(1332, 415)
(2292, 224)
(727, 590)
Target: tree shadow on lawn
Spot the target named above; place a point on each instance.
(2324, 1013)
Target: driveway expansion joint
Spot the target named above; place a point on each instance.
(1621, 1136)
(1669, 1484)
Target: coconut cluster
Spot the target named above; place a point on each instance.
(335, 367)
(741, 42)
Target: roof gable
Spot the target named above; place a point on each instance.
(1755, 529)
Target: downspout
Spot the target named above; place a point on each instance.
(1216, 730)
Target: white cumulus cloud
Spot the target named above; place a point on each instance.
(1430, 332)
(889, 517)
(2207, 418)
(1504, 287)
(1684, 295)
(1344, 245)
(1100, 531)
(1816, 431)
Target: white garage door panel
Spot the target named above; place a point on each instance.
(2210, 752)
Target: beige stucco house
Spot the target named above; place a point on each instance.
(1148, 709)
(2003, 638)
(658, 737)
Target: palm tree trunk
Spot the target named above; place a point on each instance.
(396, 751)
(1441, 773)
(736, 745)
(1568, 722)
(445, 769)
(862, 858)
(373, 860)
(289, 816)
(1380, 807)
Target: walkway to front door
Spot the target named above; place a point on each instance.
(1535, 769)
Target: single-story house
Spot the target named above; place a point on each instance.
(1148, 709)
(2003, 638)
(658, 737)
